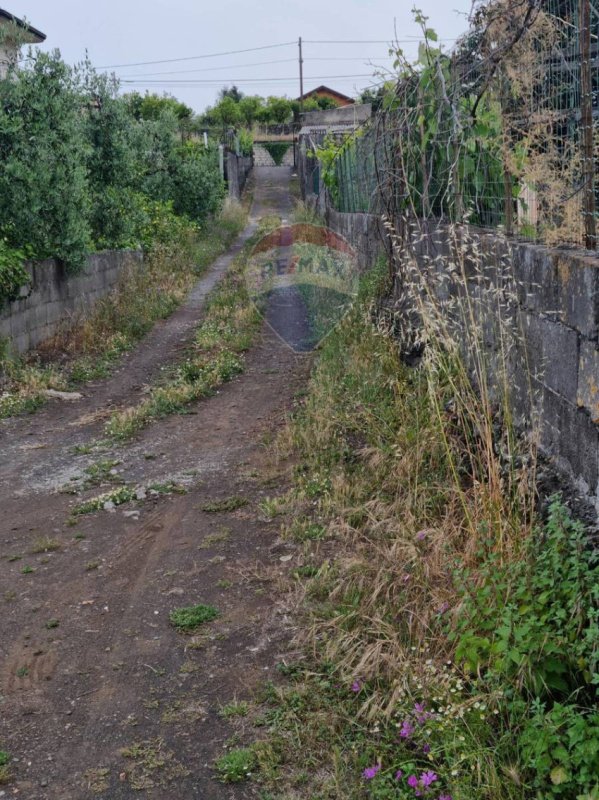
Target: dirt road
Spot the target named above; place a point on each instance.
(101, 697)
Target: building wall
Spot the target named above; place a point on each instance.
(53, 296)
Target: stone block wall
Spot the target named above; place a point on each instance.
(55, 295)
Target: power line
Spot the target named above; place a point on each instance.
(251, 64)
(210, 69)
(193, 58)
(412, 40)
(200, 81)
(251, 80)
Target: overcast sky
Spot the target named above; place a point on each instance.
(123, 32)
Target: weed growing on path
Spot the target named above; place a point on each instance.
(230, 323)
(190, 618)
(152, 765)
(4, 766)
(117, 497)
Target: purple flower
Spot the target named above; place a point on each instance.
(370, 772)
(427, 778)
(413, 781)
(356, 686)
(426, 748)
(443, 608)
(406, 577)
(421, 714)
(399, 776)
(406, 730)
(445, 797)
(421, 535)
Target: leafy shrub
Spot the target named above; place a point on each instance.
(44, 194)
(13, 274)
(533, 627)
(246, 142)
(537, 621)
(560, 747)
(197, 187)
(119, 218)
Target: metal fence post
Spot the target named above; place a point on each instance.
(586, 111)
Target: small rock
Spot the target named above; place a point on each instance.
(140, 494)
(109, 506)
(62, 395)
(285, 558)
(177, 590)
(134, 513)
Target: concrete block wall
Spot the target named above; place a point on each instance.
(237, 169)
(554, 319)
(53, 295)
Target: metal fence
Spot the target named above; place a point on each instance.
(502, 132)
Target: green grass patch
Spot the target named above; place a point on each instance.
(189, 618)
(237, 765)
(235, 709)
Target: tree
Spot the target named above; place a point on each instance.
(234, 93)
(326, 103)
(44, 192)
(279, 109)
(152, 106)
(249, 107)
(226, 113)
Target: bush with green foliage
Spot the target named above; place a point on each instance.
(44, 191)
(198, 189)
(13, 275)
(246, 142)
(79, 162)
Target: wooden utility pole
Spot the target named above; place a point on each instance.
(586, 113)
(301, 75)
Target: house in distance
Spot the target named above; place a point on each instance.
(331, 94)
(14, 32)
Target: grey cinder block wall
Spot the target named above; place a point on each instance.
(52, 296)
